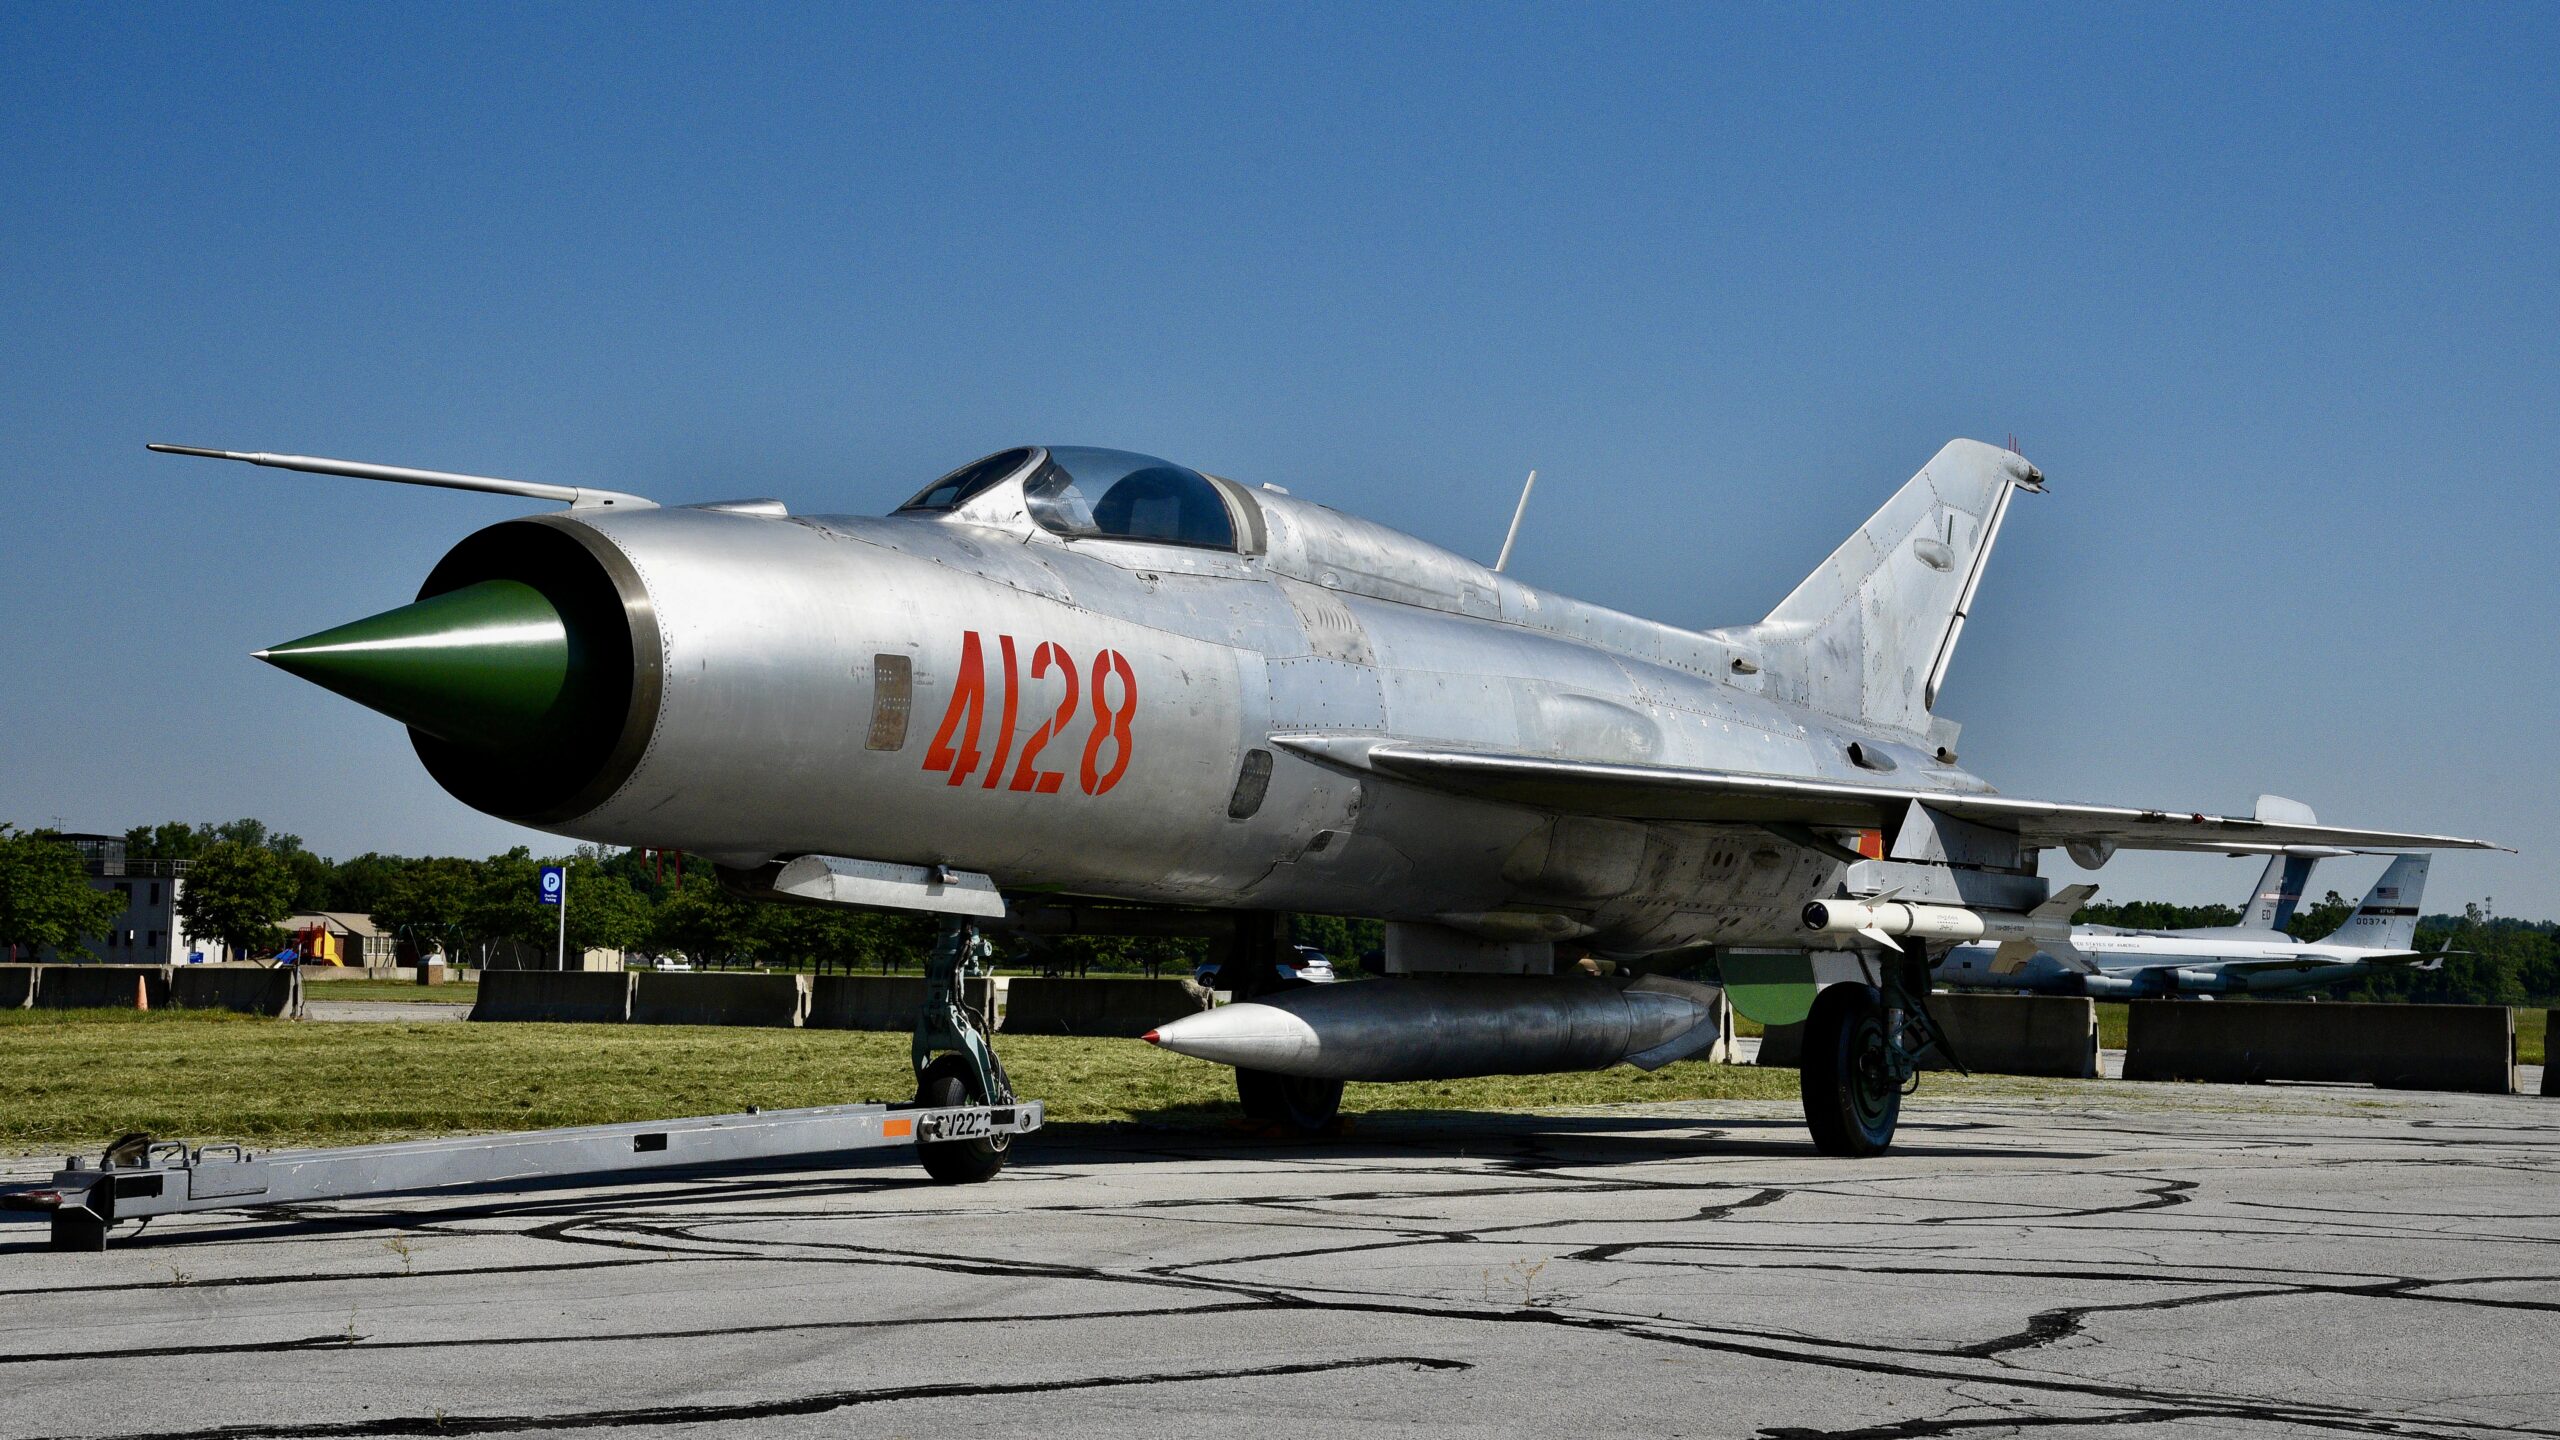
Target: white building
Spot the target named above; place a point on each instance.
(149, 931)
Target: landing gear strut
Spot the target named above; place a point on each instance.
(954, 1063)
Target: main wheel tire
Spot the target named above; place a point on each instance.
(1292, 1101)
(947, 1083)
(1851, 1099)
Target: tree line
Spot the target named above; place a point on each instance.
(243, 878)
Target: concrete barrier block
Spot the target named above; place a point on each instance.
(570, 996)
(249, 989)
(2406, 1047)
(890, 1002)
(1124, 1008)
(715, 998)
(2053, 1035)
(17, 986)
(101, 987)
(865, 1002)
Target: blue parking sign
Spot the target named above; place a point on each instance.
(555, 878)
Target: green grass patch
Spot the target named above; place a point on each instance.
(72, 1079)
(2531, 1026)
(2112, 1018)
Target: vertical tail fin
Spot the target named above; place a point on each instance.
(2278, 893)
(1868, 635)
(2387, 917)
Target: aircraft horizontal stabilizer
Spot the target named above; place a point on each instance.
(1657, 792)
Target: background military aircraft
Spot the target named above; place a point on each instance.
(2108, 961)
(1067, 687)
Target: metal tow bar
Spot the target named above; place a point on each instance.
(138, 1177)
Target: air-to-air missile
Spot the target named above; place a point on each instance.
(1446, 1027)
(1887, 922)
(1075, 688)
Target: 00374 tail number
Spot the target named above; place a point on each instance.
(1110, 683)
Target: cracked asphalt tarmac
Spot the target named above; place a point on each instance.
(2188, 1260)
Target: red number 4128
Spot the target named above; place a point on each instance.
(1107, 743)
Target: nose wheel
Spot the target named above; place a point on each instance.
(954, 1063)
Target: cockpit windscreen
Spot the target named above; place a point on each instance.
(956, 488)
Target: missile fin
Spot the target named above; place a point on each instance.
(2072, 957)
(2066, 902)
(2012, 956)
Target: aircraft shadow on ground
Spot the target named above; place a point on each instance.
(1500, 1139)
(1596, 1140)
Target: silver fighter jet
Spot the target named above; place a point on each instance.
(1067, 688)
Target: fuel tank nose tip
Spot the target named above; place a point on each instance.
(483, 665)
(1153, 1037)
(1247, 1033)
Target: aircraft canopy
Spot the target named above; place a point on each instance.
(1083, 493)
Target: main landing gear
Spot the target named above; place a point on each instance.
(1851, 1095)
(1249, 965)
(1862, 1049)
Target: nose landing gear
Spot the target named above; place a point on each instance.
(954, 1064)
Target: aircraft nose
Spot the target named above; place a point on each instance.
(488, 665)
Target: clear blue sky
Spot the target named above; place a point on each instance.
(2272, 294)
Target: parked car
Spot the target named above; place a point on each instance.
(1305, 964)
(1314, 966)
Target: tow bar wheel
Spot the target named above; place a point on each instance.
(1852, 1097)
(947, 1084)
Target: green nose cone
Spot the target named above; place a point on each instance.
(482, 665)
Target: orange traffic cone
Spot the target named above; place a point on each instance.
(141, 994)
